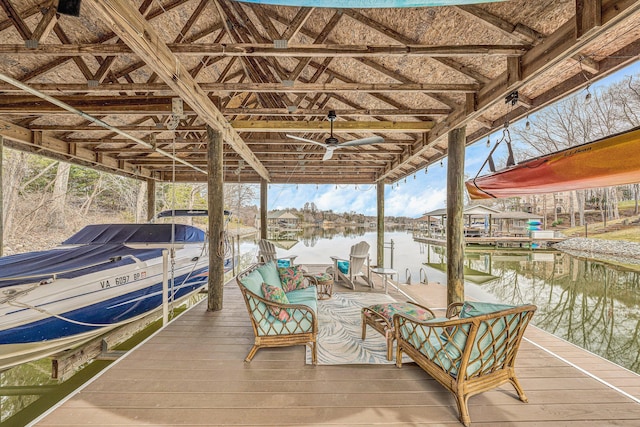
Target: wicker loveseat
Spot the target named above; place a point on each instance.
(468, 354)
(279, 322)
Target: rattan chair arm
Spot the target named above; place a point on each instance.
(312, 279)
(422, 307)
(454, 309)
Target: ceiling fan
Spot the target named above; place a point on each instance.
(330, 144)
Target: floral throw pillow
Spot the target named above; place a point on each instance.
(389, 309)
(291, 278)
(275, 294)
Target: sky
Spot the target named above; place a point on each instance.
(419, 194)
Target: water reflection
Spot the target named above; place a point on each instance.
(588, 303)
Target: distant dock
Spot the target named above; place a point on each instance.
(503, 241)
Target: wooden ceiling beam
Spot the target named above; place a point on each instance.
(128, 24)
(253, 87)
(248, 177)
(264, 126)
(44, 27)
(19, 104)
(26, 14)
(15, 19)
(297, 23)
(44, 143)
(251, 139)
(318, 50)
(516, 32)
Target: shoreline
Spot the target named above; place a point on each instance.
(612, 251)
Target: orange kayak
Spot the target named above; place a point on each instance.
(614, 160)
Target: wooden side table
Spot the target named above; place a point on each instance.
(380, 318)
(324, 284)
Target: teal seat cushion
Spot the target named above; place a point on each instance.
(284, 263)
(343, 266)
(306, 296)
(253, 282)
(474, 308)
(269, 273)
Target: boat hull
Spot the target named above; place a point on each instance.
(40, 329)
(610, 161)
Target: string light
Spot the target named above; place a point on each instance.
(441, 164)
(527, 125)
(587, 97)
(316, 186)
(426, 169)
(414, 176)
(405, 179)
(488, 142)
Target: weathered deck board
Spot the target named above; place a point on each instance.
(192, 374)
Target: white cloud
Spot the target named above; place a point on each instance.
(414, 203)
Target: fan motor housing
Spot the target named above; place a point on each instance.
(331, 141)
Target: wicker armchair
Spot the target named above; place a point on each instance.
(467, 355)
(301, 328)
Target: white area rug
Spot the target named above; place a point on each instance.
(340, 331)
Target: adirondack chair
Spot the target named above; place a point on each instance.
(267, 252)
(349, 270)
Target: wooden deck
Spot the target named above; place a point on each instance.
(192, 373)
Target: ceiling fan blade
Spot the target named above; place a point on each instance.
(363, 141)
(328, 154)
(311, 141)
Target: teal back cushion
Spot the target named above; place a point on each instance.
(473, 308)
(269, 273)
(253, 282)
(343, 266)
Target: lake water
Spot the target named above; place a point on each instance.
(591, 304)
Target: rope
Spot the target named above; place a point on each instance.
(66, 319)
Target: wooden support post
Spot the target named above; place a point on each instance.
(151, 199)
(1, 198)
(380, 241)
(455, 201)
(263, 208)
(216, 219)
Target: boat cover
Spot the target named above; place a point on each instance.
(614, 160)
(135, 233)
(68, 262)
(100, 247)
